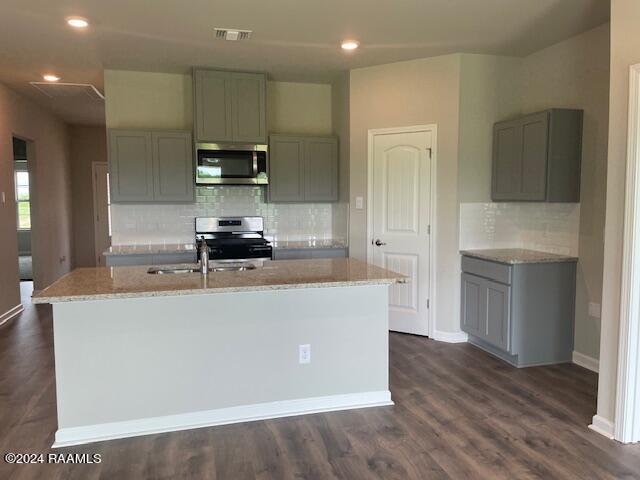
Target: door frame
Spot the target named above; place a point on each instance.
(95, 206)
(627, 413)
(32, 165)
(371, 134)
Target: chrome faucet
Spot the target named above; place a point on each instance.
(204, 256)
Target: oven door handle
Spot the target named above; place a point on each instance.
(259, 249)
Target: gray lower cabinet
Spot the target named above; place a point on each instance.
(308, 253)
(229, 106)
(303, 169)
(522, 313)
(151, 166)
(537, 157)
(485, 310)
(150, 259)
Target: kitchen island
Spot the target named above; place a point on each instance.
(137, 353)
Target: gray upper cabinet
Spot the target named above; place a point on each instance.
(229, 106)
(321, 169)
(249, 112)
(150, 166)
(131, 166)
(286, 169)
(537, 157)
(172, 166)
(212, 105)
(303, 169)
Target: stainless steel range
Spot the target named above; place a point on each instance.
(233, 239)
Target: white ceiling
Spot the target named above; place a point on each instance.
(295, 40)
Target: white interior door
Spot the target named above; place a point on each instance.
(401, 206)
(101, 205)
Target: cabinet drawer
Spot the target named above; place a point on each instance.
(129, 260)
(291, 254)
(173, 258)
(498, 272)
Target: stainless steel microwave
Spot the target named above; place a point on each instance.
(231, 164)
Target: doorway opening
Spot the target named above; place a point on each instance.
(23, 197)
(101, 211)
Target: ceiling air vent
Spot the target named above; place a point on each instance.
(69, 90)
(232, 34)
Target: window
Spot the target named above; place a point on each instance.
(22, 200)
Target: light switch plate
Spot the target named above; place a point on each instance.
(304, 353)
(594, 310)
(359, 203)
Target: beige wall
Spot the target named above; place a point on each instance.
(416, 92)
(87, 145)
(490, 90)
(148, 100)
(575, 74)
(165, 100)
(625, 51)
(340, 112)
(303, 108)
(50, 167)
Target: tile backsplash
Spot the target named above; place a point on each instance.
(548, 227)
(133, 224)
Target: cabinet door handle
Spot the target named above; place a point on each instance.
(379, 243)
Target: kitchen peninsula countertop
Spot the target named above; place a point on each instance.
(103, 283)
(150, 249)
(514, 256)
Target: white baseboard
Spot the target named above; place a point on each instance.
(602, 426)
(9, 314)
(585, 361)
(223, 416)
(450, 337)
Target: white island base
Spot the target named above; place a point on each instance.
(135, 366)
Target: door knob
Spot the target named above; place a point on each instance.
(379, 243)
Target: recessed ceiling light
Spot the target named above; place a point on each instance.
(350, 45)
(50, 77)
(78, 22)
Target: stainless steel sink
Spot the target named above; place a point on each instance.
(231, 267)
(164, 271)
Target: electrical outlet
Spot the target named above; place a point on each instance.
(594, 310)
(304, 354)
(359, 203)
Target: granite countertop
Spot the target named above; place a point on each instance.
(302, 244)
(104, 283)
(150, 249)
(514, 256)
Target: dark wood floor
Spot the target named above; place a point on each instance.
(459, 413)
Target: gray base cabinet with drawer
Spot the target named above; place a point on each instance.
(150, 259)
(522, 313)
